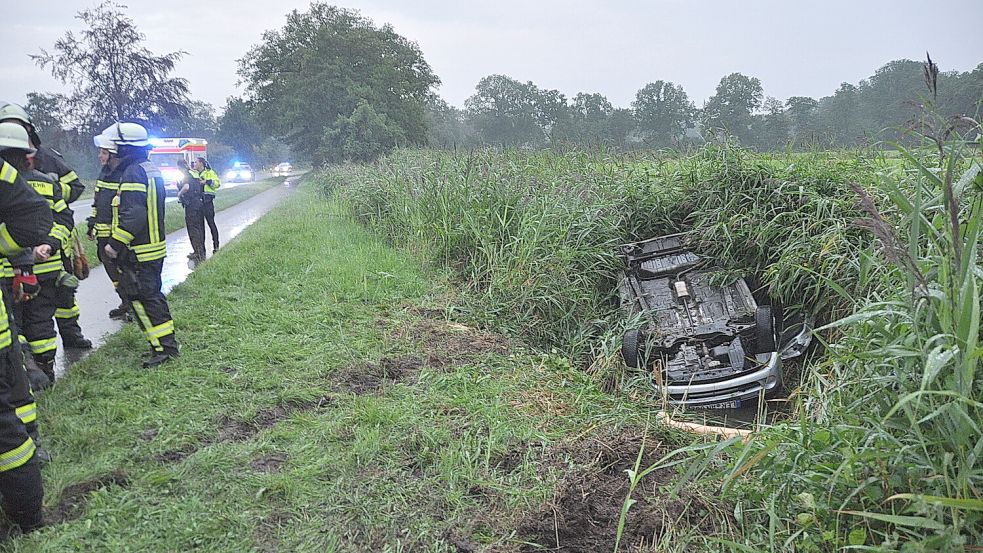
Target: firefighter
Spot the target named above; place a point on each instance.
(137, 240)
(212, 184)
(192, 197)
(37, 317)
(101, 218)
(26, 222)
(48, 160)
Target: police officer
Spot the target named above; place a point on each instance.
(137, 240)
(101, 218)
(210, 179)
(48, 160)
(192, 197)
(25, 221)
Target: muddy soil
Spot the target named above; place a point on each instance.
(73, 498)
(583, 515)
(237, 430)
(269, 463)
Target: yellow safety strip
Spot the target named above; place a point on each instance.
(52, 265)
(8, 173)
(122, 235)
(162, 330)
(146, 324)
(27, 413)
(18, 456)
(68, 177)
(132, 187)
(8, 245)
(59, 206)
(103, 185)
(68, 312)
(44, 345)
(5, 340)
(153, 224)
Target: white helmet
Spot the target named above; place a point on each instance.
(105, 142)
(10, 111)
(14, 137)
(128, 134)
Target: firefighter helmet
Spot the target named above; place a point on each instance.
(104, 142)
(14, 137)
(9, 111)
(128, 134)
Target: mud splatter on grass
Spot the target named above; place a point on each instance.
(583, 515)
(371, 377)
(71, 503)
(269, 463)
(237, 430)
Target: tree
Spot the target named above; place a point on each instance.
(308, 79)
(770, 129)
(199, 122)
(730, 108)
(801, 112)
(239, 129)
(506, 111)
(664, 112)
(447, 126)
(112, 75)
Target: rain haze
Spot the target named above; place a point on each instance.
(796, 49)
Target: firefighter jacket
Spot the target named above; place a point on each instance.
(60, 235)
(210, 179)
(101, 218)
(49, 160)
(138, 210)
(25, 222)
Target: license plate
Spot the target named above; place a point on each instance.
(734, 404)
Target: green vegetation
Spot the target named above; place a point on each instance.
(174, 213)
(882, 445)
(324, 402)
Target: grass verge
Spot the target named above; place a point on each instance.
(325, 402)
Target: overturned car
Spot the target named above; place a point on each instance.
(706, 340)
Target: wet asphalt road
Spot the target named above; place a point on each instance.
(96, 295)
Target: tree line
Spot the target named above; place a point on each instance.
(331, 86)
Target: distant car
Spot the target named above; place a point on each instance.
(702, 335)
(240, 172)
(282, 169)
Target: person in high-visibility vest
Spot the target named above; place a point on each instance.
(48, 160)
(137, 240)
(101, 219)
(212, 183)
(25, 222)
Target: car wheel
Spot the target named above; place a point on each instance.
(632, 346)
(764, 330)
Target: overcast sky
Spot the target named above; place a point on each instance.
(796, 48)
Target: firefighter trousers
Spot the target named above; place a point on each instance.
(194, 220)
(20, 473)
(140, 283)
(18, 386)
(209, 212)
(110, 264)
(36, 319)
(67, 312)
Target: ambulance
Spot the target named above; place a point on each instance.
(167, 151)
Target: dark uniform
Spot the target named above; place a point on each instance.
(26, 221)
(211, 182)
(194, 215)
(37, 317)
(48, 160)
(137, 234)
(100, 221)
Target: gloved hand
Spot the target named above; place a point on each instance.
(26, 285)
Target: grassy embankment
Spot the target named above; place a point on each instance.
(882, 445)
(174, 213)
(324, 402)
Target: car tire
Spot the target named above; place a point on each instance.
(632, 347)
(764, 330)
